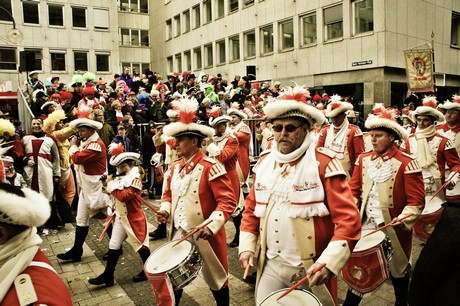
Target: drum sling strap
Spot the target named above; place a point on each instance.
(213, 272)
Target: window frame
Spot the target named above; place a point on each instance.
(14, 65)
(235, 9)
(25, 16)
(86, 17)
(208, 55)
(54, 5)
(188, 60)
(332, 23)
(198, 60)
(231, 42)
(455, 30)
(101, 28)
(187, 21)
(207, 11)
(169, 29)
(355, 21)
(177, 26)
(104, 54)
(221, 47)
(281, 41)
(262, 40)
(78, 52)
(302, 29)
(38, 58)
(58, 52)
(246, 44)
(196, 11)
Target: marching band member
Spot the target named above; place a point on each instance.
(198, 190)
(342, 137)
(387, 184)
(129, 221)
(300, 206)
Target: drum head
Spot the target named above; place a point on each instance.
(370, 241)
(165, 258)
(298, 297)
(432, 206)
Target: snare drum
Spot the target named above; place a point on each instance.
(181, 264)
(429, 218)
(298, 297)
(367, 267)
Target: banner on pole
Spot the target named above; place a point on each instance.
(419, 70)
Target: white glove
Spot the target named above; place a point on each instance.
(156, 160)
(213, 149)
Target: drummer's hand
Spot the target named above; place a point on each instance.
(319, 277)
(162, 216)
(395, 222)
(204, 233)
(451, 185)
(246, 258)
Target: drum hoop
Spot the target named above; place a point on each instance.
(368, 245)
(302, 290)
(192, 251)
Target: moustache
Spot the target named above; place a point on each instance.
(284, 139)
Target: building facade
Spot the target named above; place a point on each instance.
(352, 48)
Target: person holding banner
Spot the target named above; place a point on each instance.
(388, 186)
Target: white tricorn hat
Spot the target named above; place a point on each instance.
(385, 120)
(336, 106)
(216, 116)
(454, 104)
(429, 109)
(119, 156)
(46, 104)
(84, 121)
(23, 206)
(235, 110)
(292, 102)
(186, 125)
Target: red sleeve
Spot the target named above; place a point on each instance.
(358, 144)
(85, 156)
(126, 194)
(356, 181)
(415, 189)
(452, 159)
(250, 223)
(322, 137)
(167, 197)
(230, 150)
(242, 137)
(221, 187)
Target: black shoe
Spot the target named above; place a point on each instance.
(151, 195)
(70, 255)
(139, 277)
(106, 255)
(235, 242)
(251, 278)
(156, 235)
(101, 280)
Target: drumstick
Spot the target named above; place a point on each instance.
(300, 282)
(148, 205)
(193, 232)
(442, 187)
(107, 224)
(388, 225)
(246, 271)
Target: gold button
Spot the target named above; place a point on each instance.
(311, 254)
(309, 237)
(308, 219)
(198, 214)
(277, 241)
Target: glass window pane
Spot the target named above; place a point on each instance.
(30, 12)
(188, 61)
(334, 30)
(207, 11)
(58, 61)
(233, 5)
(168, 29)
(266, 36)
(144, 6)
(145, 41)
(134, 6)
(38, 58)
(309, 29)
(135, 39)
(220, 8)
(178, 62)
(196, 17)
(80, 61)
(186, 18)
(55, 17)
(221, 57)
(102, 62)
(209, 55)
(235, 48)
(124, 37)
(455, 32)
(198, 60)
(177, 25)
(124, 5)
(79, 17)
(250, 44)
(364, 16)
(136, 68)
(169, 62)
(287, 35)
(7, 59)
(7, 6)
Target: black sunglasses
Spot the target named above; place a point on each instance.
(289, 128)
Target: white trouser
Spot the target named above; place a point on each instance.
(277, 274)
(118, 234)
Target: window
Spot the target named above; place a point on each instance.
(7, 59)
(102, 61)
(80, 61)
(308, 29)
(178, 62)
(333, 22)
(124, 37)
(286, 35)
(233, 5)
(135, 68)
(4, 16)
(169, 31)
(266, 39)
(123, 5)
(79, 17)
(135, 38)
(30, 11)
(138, 6)
(186, 19)
(455, 32)
(143, 6)
(58, 60)
(363, 11)
(55, 16)
(169, 62)
(249, 44)
(198, 60)
(234, 48)
(177, 25)
(207, 11)
(220, 8)
(38, 58)
(188, 60)
(101, 19)
(248, 2)
(196, 16)
(220, 46)
(208, 55)
(145, 40)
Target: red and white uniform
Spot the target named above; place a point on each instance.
(195, 192)
(90, 160)
(301, 240)
(348, 150)
(48, 286)
(130, 222)
(243, 134)
(85, 103)
(44, 152)
(454, 136)
(390, 186)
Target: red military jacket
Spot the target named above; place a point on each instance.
(93, 158)
(228, 156)
(49, 287)
(244, 141)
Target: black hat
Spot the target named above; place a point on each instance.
(67, 108)
(191, 89)
(191, 76)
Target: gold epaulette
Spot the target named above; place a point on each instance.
(216, 170)
(326, 152)
(208, 159)
(136, 183)
(94, 146)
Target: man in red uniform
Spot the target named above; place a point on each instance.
(26, 275)
(300, 206)
(341, 137)
(433, 152)
(224, 148)
(388, 185)
(90, 158)
(197, 190)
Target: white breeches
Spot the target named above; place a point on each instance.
(118, 234)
